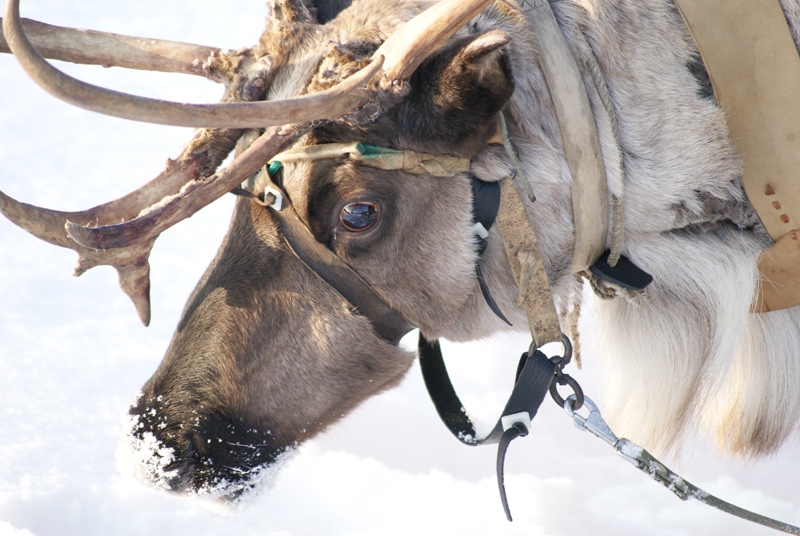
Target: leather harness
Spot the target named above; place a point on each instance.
(754, 67)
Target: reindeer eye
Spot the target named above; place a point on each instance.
(358, 217)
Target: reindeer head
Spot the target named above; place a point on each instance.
(267, 353)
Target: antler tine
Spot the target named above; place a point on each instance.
(114, 50)
(203, 155)
(177, 192)
(192, 197)
(329, 104)
(408, 47)
(131, 263)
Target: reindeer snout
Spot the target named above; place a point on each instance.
(199, 451)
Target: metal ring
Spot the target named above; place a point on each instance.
(567, 348)
(569, 405)
(563, 360)
(566, 379)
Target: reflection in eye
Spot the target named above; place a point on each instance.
(358, 217)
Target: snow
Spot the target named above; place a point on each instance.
(73, 357)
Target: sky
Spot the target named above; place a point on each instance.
(73, 355)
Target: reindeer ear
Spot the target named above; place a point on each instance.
(455, 95)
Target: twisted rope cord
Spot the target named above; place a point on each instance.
(618, 217)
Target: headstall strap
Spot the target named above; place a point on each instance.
(387, 322)
(374, 156)
(754, 67)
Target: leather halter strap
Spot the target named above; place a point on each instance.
(387, 322)
(374, 156)
(578, 134)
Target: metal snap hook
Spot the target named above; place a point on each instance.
(593, 423)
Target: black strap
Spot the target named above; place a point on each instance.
(624, 273)
(534, 376)
(517, 430)
(485, 207)
(487, 296)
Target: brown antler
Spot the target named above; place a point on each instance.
(181, 190)
(174, 195)
(114, 50)
(192, 197)
(205, 152)
(198, 193)
(429, 30)
(405, 49)
(328, 104)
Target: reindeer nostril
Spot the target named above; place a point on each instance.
(216, 455)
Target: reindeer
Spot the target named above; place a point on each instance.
(268, 354)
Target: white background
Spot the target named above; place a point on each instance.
(73, 355)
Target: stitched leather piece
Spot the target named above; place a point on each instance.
(754, 67)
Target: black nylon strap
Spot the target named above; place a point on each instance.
(485, 206)
(518, 430)
(487, 296)
(534, 376)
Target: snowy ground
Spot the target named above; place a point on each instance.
(73, 355)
